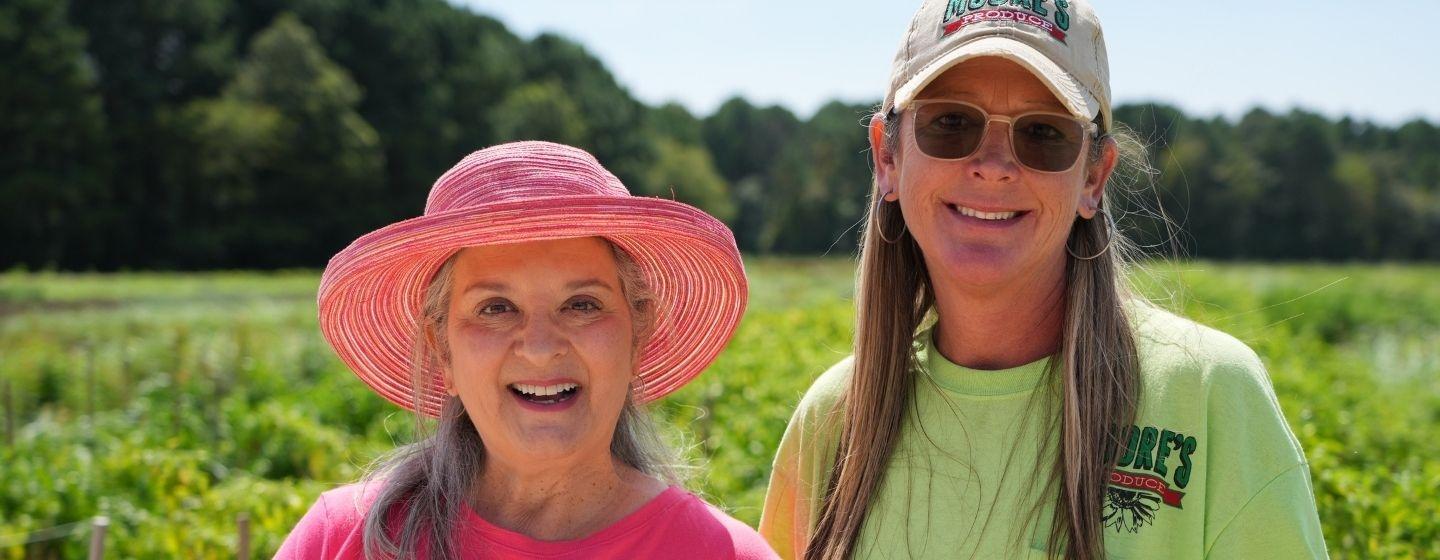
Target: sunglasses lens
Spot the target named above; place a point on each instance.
(948, 130)
(1047, 142)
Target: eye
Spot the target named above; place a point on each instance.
(1041, 132)
(952, 122)
(583, 305)
(493, 308)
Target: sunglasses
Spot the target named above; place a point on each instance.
(1042, 141)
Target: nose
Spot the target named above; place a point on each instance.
(993, 159)
(540, 341)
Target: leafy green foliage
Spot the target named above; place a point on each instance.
(290, 114)
(539, 111)
(54, 162)
(685, 173)
(173, 403)
(222, 134)
(1288, 186)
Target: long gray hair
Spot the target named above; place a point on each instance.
(424, 484)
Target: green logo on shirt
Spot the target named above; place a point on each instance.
(1143, 479)
(1149, 448)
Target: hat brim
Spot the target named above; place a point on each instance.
(1071, 94)
(371, 293)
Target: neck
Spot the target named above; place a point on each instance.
(1001, 326)
(560, 500)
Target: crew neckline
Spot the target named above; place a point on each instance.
(976, 382)
(637, 519)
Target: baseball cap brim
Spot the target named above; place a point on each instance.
(1071, 94)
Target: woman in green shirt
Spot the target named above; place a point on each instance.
(1008, 396)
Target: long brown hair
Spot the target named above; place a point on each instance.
(1096, 366)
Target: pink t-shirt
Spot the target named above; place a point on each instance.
(675, 524)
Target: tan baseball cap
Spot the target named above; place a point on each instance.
(1060, 41)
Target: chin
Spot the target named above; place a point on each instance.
(974, 266)
(547, 433)
(550, 442)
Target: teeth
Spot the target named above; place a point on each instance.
(985, 215)
(543, 390)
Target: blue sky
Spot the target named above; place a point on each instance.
(1374, 60)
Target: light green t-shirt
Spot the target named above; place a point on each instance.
(1211, 469)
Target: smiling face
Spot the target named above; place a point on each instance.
(542, 347)
(985, 220)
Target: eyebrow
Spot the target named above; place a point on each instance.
(487, 286)
(589, 283)
(956, 94)
(492, 286)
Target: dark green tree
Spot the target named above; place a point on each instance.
(150, 58)
(615, 121)
(432, 73)
(234, 146)
(55, 206)
(685, 173)
(316, 165)
(745, 142)
(676, 122)
(540, 111)
(138, 138)
(821, 184)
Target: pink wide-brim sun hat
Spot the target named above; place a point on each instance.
(371, 293)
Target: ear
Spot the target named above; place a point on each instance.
(446, 374)
(645, 316)
(884, 159)
(1096, 176)
(450, 381)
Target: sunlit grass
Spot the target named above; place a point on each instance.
(176, 401)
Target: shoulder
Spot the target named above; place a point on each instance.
(333, 525)
(1171, 346)
(348, 504)
(802, 464)
(815, 426)
(718, 531)
(1189, 366)
(824, 394)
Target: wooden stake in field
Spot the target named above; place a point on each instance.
(179, 378)
(242, 551)
(88, 350)
(9, 413)
(97, 537)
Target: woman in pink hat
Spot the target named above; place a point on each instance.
(530, 312)
(1008, 396)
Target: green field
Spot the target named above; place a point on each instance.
(173, 403)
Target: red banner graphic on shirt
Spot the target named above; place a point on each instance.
(1149, 484)
(1005, 15)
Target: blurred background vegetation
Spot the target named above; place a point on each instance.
(222, 134)
(171, 138)
(174, 402)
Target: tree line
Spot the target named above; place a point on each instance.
(264, 134)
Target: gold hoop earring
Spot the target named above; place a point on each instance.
(1109, 238)
(880, 228)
